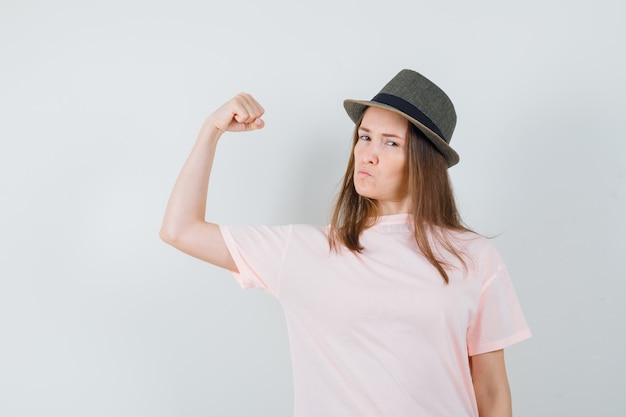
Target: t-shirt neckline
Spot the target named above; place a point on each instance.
(389, 219)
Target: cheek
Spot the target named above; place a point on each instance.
(398, 166)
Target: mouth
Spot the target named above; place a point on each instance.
(361, 173)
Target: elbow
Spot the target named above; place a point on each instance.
(169, 234)
(179, 234)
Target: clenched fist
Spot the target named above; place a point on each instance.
(241, 113)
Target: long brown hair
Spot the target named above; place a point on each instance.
(433, 208)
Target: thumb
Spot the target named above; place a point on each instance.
(256, 124)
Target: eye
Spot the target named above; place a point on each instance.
(391, 143)
(364, 138)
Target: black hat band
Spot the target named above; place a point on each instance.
(408, 109)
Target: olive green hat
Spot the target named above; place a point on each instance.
(415, 97)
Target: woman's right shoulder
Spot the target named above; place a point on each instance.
(309, 229)
(292, 229)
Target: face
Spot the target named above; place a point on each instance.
(380, 160)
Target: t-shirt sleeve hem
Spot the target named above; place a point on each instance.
(500, 344)
(231, 245)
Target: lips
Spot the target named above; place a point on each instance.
(361, 173)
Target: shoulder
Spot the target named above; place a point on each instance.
(309, 232)
(474, 244)
(483, 260)
(284, 232)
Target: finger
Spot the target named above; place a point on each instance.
(251, 109)
(242, 116)
(254, 106)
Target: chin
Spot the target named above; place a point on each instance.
(365, 194)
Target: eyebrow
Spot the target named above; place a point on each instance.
(387, 135)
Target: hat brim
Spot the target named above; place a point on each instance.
(355, 109)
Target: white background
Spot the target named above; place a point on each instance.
(100, 103)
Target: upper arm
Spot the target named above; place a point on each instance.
(204, 241)
(491, 384)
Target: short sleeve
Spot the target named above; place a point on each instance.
(499, 321)
(258, 252)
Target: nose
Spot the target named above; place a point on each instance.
(369, 155)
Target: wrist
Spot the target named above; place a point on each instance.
(209, 133)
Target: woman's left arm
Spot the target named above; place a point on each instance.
(491, 384)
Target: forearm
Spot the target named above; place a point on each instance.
(187, 203)
(495, 404)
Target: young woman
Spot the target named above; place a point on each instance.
(394, 309)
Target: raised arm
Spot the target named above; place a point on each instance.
(184, 225)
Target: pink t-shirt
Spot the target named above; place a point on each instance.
(379, 333)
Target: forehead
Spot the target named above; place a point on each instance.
(383, 119)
